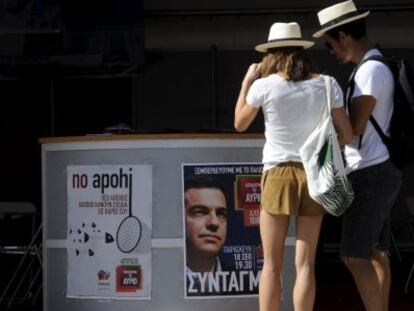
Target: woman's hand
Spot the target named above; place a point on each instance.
(252, 73)
(244, 114)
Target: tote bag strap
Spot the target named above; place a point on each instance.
(328, 87)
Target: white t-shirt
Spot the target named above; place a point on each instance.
(373, 78)
(291, 110)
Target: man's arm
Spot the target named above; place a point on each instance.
(360, 111)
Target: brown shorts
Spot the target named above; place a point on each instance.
(285, 191)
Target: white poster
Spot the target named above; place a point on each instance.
(109, 231)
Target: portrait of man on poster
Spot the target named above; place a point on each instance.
(205, 219)
(205, 223)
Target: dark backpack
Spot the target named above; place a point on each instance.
(400, 144)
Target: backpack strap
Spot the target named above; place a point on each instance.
(350, 90)
(385, 139)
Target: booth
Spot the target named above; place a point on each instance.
(92, 185)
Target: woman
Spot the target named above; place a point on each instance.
(292, 98)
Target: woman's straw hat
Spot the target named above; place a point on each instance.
(282, 35)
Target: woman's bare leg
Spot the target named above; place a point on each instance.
(273, 229)
(307, 236)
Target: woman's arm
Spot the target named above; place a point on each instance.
(342, 126)
(244, 114)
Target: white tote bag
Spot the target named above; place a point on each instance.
(322, 159)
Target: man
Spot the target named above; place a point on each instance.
(376, 181)
(205, 229)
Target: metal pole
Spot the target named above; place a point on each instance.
(213, 87)
(52, 106)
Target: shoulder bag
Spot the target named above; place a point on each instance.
(324, 166)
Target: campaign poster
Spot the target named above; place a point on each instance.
(223, 252)
(109, 231)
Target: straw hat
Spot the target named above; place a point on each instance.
(336, 15)
(283, 34)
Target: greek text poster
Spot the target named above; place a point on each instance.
(109, 231)
(223, 252)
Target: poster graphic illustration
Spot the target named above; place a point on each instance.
(223, 252)
(109, 231)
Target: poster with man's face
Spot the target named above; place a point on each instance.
(223, 252)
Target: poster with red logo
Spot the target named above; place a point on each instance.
(223, 252)
(109, 231)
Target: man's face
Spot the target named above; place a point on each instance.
(205, 220)
(337, 48)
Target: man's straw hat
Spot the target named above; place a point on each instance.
(336, 15)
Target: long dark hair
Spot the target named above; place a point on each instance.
(292, 62)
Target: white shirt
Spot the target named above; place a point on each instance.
(291, 110)
(375, 79)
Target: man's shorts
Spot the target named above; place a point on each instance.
(285, 191)
(366, 223)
